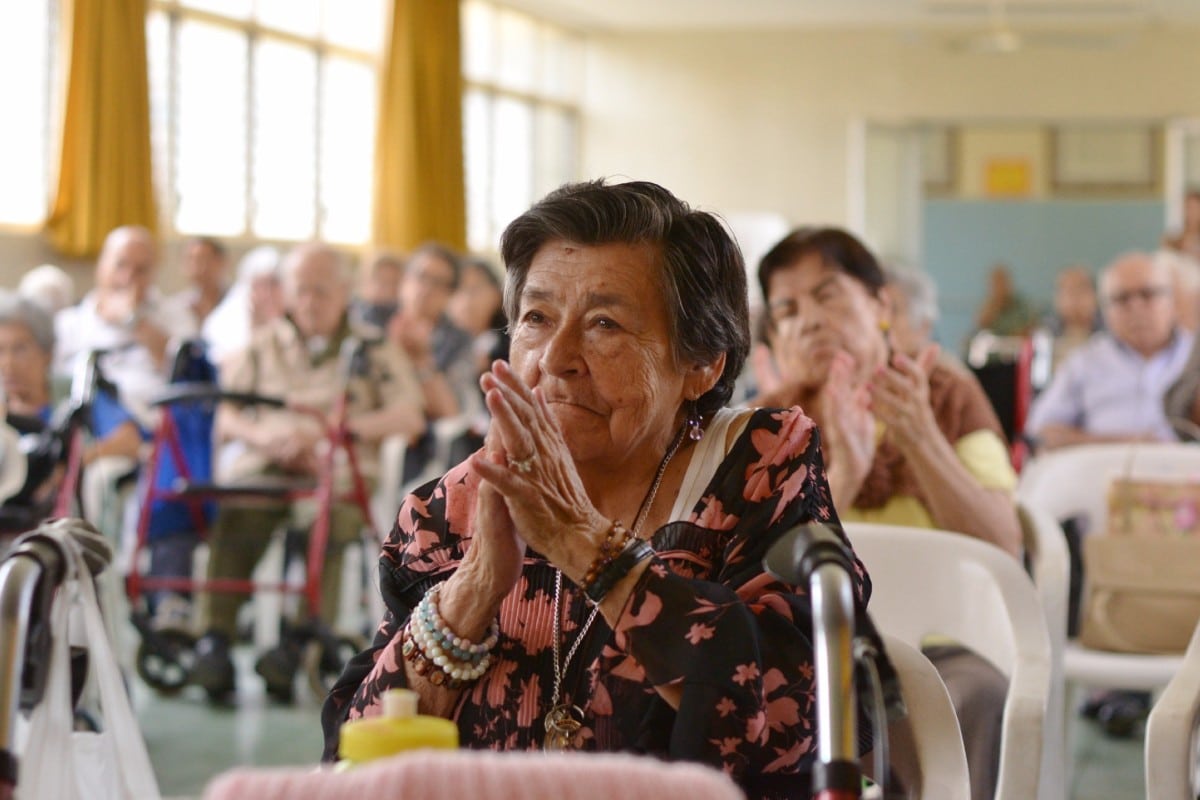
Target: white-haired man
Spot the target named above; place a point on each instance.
(295, 357)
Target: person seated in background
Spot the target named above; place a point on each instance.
(295, 357)
(1187, 239)
(1076, 313)
(914, 311)
(254, 300)
(26, 352)
(125, 315)
(1111, 389)
(907, 440)
(477, 308)
(205, 267)
(1004, 311)
(440, 350)
(378, 295)
(618, 516)
(1185, 269)
(49, 286)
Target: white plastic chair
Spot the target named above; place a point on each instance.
(931, 582)
(1050, 564)
(937, 740)
(1171, 733)
(1074, 482)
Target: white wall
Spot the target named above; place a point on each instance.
(758, 121)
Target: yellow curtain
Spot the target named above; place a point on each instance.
(418, 141)
(104, 173)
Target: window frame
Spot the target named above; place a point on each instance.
(175, 13)
(493, 89)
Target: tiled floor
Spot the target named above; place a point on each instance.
(190, 742)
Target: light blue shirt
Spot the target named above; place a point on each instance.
(1106, 388)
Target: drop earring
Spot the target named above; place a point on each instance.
(694, 420)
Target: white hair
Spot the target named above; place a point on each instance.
(49, 287)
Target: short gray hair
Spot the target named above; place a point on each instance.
(918, 289)
(18, 310)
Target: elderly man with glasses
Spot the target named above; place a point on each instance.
(1112, 388)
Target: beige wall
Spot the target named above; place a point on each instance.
(759, 121)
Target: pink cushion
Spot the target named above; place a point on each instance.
(484, 775)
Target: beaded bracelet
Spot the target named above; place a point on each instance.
(438, 652)
(618, 539)
(636, 551)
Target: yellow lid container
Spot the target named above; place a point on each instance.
(400, 728)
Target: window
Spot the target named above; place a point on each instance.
(520, 114)
(28, 154)
(263, 116)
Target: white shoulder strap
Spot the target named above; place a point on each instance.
(707, 456)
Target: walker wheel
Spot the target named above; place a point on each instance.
(324, 659)
(165, 659)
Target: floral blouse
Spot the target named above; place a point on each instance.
(704, 617)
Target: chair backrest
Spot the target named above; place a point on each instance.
(936, 737)
(1171, 732)
(937, 583)
(1050, 566)
(1074, 481)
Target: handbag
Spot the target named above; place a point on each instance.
(1143, 578)
(58, 761)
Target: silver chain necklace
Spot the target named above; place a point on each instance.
(563, 720)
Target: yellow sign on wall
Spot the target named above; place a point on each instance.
(1008, 177)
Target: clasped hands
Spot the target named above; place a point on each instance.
(529, 484)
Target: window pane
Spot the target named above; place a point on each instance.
(158, 58)
(512, 159)
(237, 9)
(359, 24)
(301, 17)
(347, 150)
(24, 154)
(518, 51)
(561, 69)
(210, 172)
(477, 138)
(285, 147)
(555, 150)
(478, 24)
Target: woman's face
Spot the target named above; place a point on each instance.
(24, 368)
(592, 332)
(474, 302)
(817, 310)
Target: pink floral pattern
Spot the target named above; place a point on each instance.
(733, 643)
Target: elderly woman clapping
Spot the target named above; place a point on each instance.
(909, 440)
(602, 554)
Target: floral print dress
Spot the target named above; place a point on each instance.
(704, 617)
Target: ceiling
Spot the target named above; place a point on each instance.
(657, 15)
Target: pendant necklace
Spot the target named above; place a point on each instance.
(564, 720)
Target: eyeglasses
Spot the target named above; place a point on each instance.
(1146, 294)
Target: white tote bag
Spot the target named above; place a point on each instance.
(59, 762)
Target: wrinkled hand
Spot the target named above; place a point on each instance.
(900, 397)
(547, 504)
(494, 560)
(292, 450)
(847, 424)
